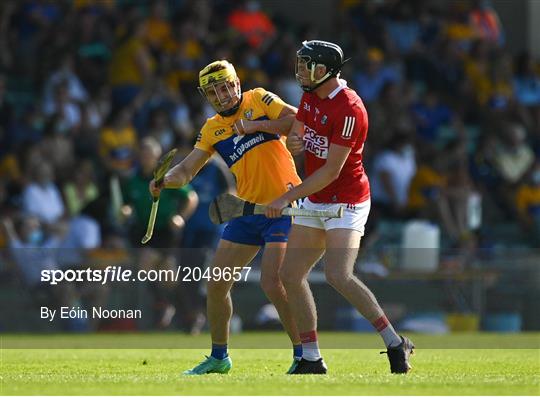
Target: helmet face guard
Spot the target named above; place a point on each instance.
(221, 88)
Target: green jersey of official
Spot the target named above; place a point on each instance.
(137, 195)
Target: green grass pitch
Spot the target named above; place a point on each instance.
(155, 368)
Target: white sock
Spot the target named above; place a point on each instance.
(390, 337)
(387, 332)
(310, 346)
(310, 351)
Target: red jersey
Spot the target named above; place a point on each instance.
(340, 119)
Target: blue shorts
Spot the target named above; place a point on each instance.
(257, 230)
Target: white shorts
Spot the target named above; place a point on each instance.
(354, 216)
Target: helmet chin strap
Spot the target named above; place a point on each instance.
(322, 79)
(233, 110)
(318, 82)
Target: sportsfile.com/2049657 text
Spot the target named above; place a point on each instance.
(124, 274)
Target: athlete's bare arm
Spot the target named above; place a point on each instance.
(337, 155)
(281, 125)
(183, 172)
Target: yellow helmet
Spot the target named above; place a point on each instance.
(215, 83)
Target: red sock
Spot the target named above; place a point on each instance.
(380, 323)
(308, 337)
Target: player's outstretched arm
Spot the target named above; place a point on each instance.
(281, 125)
(337, 155)
(183, 172)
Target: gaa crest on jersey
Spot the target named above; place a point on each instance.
(324, 119)
(248, 113)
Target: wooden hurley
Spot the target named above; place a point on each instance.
(226, 207)
(159, 174)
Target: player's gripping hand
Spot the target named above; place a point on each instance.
(295, 144)
(273, 210)
(242, 127)
(155, 189)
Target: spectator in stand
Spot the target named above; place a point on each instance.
(510, 159)
(447, 74)
(458, 26)
(27, 128)
(183, 54)
(403, 27)
(41, 197)
(526, 84)
(482, 169)
(427, 186)
(391, 112)
(441, 191)
(392, 172)
(161, 129)
(489, 78)
(371, 82)
(64, 74)
(485, 22)
(57, 148)
(92, 44)
(463, 204)
(526, 81)
(429, 115)
(85, 140)
(118, 142)
(181, 119)
(501, 91)
(514, 157)
(69, 113)
(428, 196)
(157, 27)
(82, 189)
(250, 71)
(29, 244)
(131, 65)
(252, 23)
(528, 204)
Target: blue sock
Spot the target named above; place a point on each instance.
(219, 351)
(297, 351)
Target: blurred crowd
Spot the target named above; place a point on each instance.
(93, 92)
